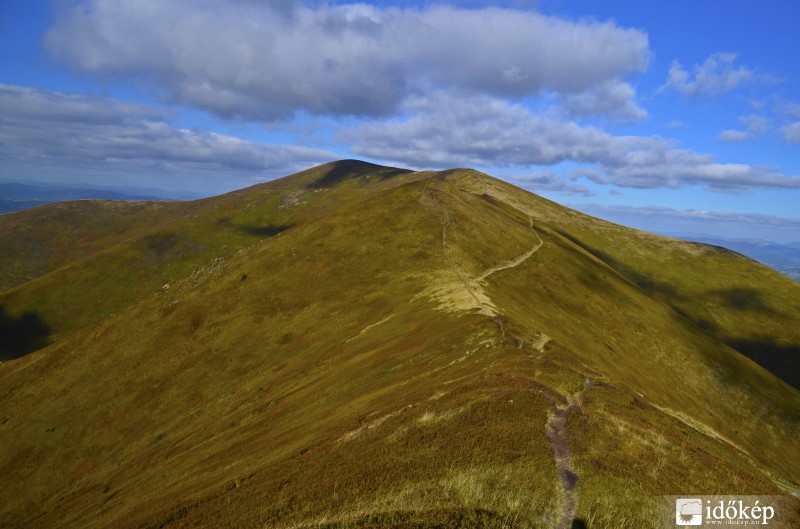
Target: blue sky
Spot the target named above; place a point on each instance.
(677, 116)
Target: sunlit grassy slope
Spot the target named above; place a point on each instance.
(389, 349)
(103, 256)
(39, 240)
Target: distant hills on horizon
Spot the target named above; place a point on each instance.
(785, 258)
(16, 196)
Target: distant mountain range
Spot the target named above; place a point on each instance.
(16, 196)
(785, 258)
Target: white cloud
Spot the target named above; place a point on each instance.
(674, 168)
(756, 125)
(731, 135)
(254, 60)
(716, 76)
(789, 113)
(791, 133)
(446, 129)
(60, 133)
(614, 100)
(789, 109)
(546, 181)
(661, 219)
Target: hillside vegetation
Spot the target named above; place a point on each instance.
(361, 346)
(85, 260)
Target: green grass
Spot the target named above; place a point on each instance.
(103, 257)
(322, 376)
(40, 240)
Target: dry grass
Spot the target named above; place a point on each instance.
(324, 377)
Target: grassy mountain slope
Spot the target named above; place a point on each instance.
(735, 299)
(437, 351)
(40, 240)
(90, 259)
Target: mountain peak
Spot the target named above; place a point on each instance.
(349, 172)
(364, 345)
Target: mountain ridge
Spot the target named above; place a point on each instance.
(409, 351)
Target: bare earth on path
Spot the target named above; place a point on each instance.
(556, 434)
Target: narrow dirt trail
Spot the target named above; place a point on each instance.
(458, 289)
(446, 220)
(567, 475)
(514, 262)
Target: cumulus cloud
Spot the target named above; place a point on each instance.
(791, 133)
(44, 129)
(673, 168)
(789, 109)
(266, 60)
(660, 219)
(445, 129)
(614, 100)
(789, 112)
(715, 77)
(732, 135)
(756, 126)
(547, 181)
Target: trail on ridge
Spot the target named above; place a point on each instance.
(514, 262)
(471, 294)
(568, 476)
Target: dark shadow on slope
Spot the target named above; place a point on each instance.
(503, 208)
(259, 230)
(443, 175)
(779, 360)
(349, 169)
(21, 335)
(577, 523)
(264, 231)
(641, 280)
(161, 243)
(704, 325)
(165, 247)
(743, 299)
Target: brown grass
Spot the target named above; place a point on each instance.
(310, 379)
